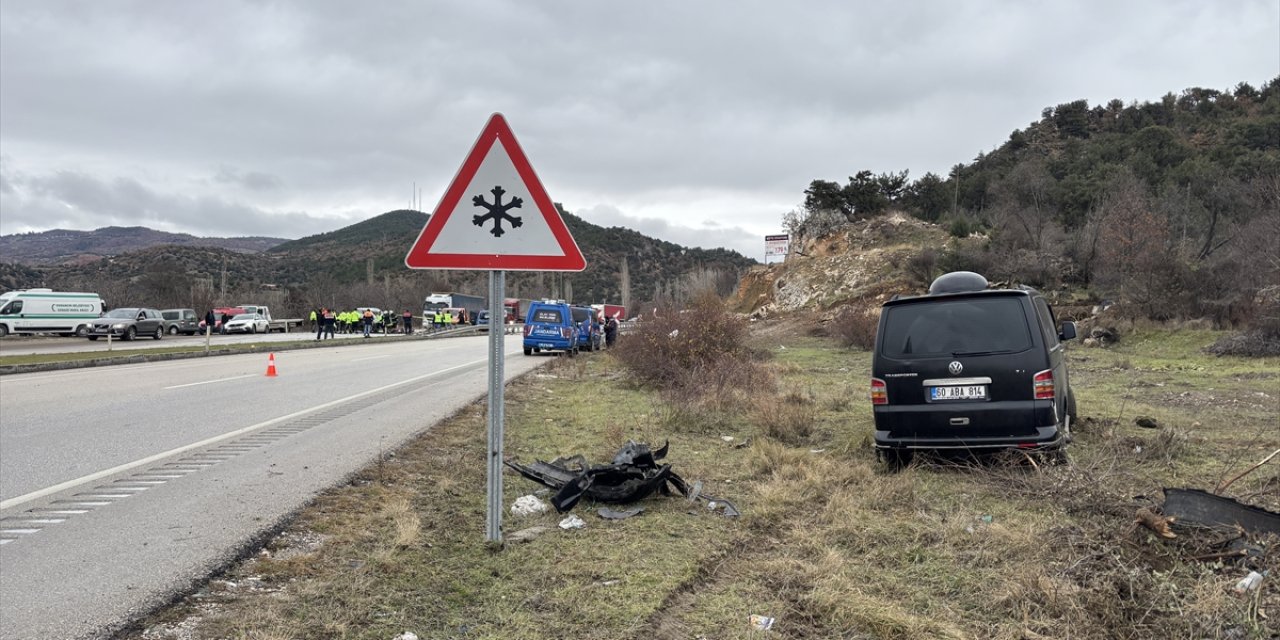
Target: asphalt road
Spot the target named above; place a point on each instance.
(29, 345)
(120, 486)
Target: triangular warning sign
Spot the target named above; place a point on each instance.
(506, 223)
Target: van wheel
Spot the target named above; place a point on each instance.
(1071, 405)
(82, 331)
(173, 330)
(528, 351)
(4, 330)
(896, 460)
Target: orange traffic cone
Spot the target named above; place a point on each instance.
(271, 366)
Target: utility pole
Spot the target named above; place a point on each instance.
(626, 285)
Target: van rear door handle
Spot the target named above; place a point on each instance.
(959, 422)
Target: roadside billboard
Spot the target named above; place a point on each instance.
(775, 248)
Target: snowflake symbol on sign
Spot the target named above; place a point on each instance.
(497, 211)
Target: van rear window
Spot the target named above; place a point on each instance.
(549, 316)
(974, 326)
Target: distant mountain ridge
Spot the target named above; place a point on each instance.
(68, 246)
(321, 267)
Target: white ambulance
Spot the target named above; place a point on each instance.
(48, 311)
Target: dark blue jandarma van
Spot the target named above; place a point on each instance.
(549, 326)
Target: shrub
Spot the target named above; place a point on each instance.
(856, 326)
(702, 345)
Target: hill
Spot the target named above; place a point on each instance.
(364, 264)
(65, 246)
(1172, 206)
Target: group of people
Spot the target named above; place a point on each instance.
(443, 318)
(326, 322)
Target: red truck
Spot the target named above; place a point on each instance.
(610, 311)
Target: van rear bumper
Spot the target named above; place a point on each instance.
(1051, 437)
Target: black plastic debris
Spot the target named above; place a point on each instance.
(1200, 507)
(615, 514)
(633, 475)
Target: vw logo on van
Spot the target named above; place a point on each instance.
(955, 367)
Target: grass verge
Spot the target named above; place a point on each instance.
(830, 544)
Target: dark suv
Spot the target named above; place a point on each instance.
(970, 368)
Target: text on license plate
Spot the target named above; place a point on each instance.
(973, 392)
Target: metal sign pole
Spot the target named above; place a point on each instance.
(497, 290)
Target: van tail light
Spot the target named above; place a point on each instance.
(528, 329)
(879, 393)
(1043, 383)
(565, 333)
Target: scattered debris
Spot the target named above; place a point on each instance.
(1155, 522)
(760, 623)
(633, 475)
(1147, 422)
(408, 635)
(572, 522)
(528, 506)
(727, 438)
(526, 535)
(1203, 508)
(1248, 583)
(614, 514)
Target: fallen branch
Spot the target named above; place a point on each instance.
(1223, 487)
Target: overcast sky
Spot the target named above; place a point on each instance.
(695, 122)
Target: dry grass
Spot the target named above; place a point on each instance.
(830, 544)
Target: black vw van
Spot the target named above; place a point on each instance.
(970, 368)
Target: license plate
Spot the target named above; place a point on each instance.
(546, 345)
(973, 392)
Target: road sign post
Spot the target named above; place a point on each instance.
(495, 183)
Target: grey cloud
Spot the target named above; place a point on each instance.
(252, 180)
(333, 106)
(74, 200)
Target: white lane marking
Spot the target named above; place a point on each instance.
(6, 540)
(192, 384)
(19, 531)
(62, 486)
(38, 520)
(370, 358)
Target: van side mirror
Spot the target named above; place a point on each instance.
(1068, 331)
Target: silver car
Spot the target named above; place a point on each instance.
(128, 323)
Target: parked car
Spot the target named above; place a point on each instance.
(248, 323)
(590, 331)
(482, 320)
(549, 326)
(182, 321)
(128, 323)
(972, 369)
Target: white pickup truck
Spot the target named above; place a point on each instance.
(273, 324)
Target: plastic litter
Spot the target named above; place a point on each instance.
(1248, 583)
(760, 623)
(528, 506)
(572, 522)
(615, 514)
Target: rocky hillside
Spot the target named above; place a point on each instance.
(864, 261)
